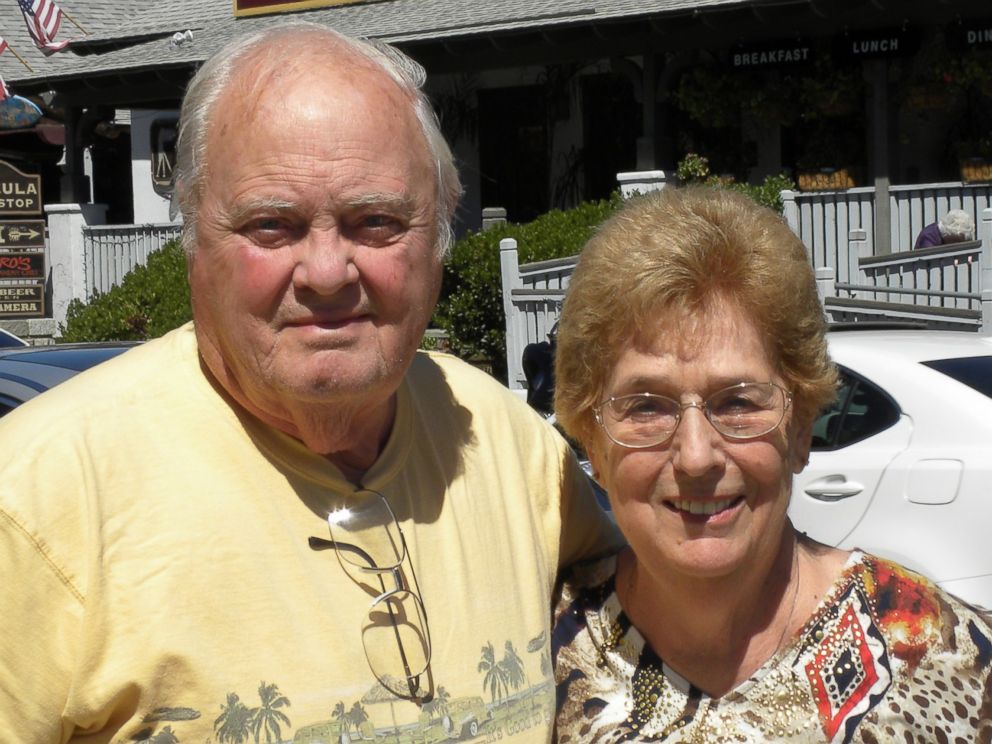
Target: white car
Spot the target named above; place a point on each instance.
(902, 463)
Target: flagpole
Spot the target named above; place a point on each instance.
(73, 22)
(19, 57)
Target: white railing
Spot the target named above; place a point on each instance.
(111, 251)
(944, 287)
(532, 296)
(825, 220)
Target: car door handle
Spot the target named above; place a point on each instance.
(833, 488)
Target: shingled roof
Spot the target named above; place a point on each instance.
(127, 35)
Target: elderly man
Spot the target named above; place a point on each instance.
(282, 521)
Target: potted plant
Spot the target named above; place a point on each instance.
(975, 159)
(829, 158)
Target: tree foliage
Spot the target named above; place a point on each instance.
(471, 306)
(151, 300)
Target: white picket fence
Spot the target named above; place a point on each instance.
(826, 220)
(111, 251)
(945, 287)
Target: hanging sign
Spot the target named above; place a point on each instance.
(879, 43)
(22, 299)
(781, 54)
(258, 7)
(972, 35)
(20, 193)
(18, 234)
(27, 265)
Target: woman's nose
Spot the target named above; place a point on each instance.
(696, 445)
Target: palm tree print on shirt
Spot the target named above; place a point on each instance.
(268, 717)
(237, 722)
(501, 676)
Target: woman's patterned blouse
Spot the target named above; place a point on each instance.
(886, 657)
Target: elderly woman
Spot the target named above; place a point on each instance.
(691, 365)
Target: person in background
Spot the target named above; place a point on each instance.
(692, 362)
(956, 226)
(281, 520)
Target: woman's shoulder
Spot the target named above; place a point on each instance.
(919, 619)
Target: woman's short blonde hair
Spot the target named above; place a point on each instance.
(672, 254)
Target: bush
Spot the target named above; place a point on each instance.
(695, 168)
(151, 300)
(471, 306)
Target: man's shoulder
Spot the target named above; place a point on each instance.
(463, 379)
(146, 371)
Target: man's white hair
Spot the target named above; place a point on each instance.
(213, 77)
(957, 224)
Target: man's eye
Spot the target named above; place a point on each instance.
(377, 220)
(377, 229)
(269, 231)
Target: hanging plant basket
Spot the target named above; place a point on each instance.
(929, 97)
(828, 179)
(976, 170)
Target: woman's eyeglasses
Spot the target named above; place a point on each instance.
(744, 411)
(368, 541)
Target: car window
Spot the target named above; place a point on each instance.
(860, 410)
(7, 404)
(975, 372)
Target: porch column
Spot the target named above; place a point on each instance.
(66, 254)
(73, 187)
(646, 147)
(877, 73)
(985, 278)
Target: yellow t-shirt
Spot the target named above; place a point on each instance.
(158, 583)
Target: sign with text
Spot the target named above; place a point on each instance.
(22, 299)
(20, 192)
(27, 265)
(878, 43)
(972, 35)
(22, 234)
(258, 7)
(782, 54)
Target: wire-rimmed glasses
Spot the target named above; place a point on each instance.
(743, 411)
(368, 541)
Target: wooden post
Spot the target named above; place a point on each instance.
(857, 243)
(509, 268)
(825, 287)
(985, 275)
(790, 210)
(878, 71)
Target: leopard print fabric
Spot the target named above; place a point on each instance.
(886, 657)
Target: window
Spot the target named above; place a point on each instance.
(861, 409)
(164, 134)
(975, 372)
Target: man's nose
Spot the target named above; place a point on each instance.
(324, 261)
(696, 445)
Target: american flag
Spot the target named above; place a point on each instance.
(43, 18)
(4, 91)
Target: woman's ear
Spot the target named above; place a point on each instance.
(801, 443)
(594, 451)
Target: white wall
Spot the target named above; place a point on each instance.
(149, 207)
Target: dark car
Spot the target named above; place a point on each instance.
(9, 341)
(27, 371)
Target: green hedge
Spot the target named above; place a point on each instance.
(471, 306)
(150, 300)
